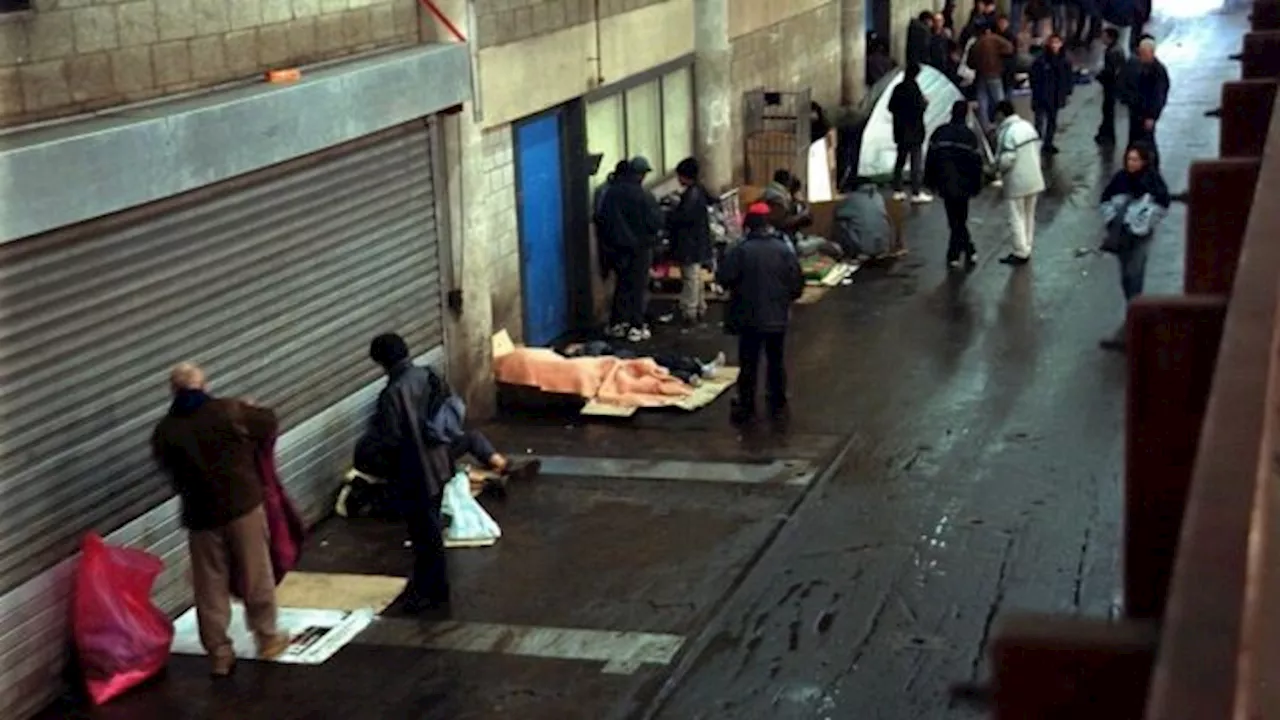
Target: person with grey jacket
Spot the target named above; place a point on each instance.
(862, 222)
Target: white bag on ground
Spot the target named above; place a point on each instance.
(470, 524)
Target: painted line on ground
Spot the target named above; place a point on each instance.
(622, 653)
(776, 472)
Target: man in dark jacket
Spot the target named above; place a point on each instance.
(939, 43)
(1109, 77)
(987, 58)
(1145, 89)
(630, 218)
(919, 31)
(907, 105)
(690, 229)
(955, 172)
(763, 277)
(1052, 81)
(209, 448)
(983, 16)
(396, 446)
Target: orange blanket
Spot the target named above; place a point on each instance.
(627, 383)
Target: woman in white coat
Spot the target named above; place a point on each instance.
(1018, 160)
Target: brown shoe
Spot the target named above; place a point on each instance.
(273, 647)
(223, 667)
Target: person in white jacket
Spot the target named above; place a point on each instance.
(1018, 160)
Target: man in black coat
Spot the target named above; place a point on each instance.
(919, 31)
(1145, 89)
(907, 105)
(690, 229)
(763, 277)
(629, 220)
(1052, 82)
(1109, 77)
(955, 172)
(395, 447)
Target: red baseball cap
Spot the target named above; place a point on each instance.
(758, 208)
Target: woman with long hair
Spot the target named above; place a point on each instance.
(1133, 204)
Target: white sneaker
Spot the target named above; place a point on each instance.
(921, 198)
(899, 195)
(997, 183)
(635, 335)
(617, 331)
(645, 333)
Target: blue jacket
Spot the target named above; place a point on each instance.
(763, 277)
(1052, 81)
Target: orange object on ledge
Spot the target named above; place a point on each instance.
(284, 76)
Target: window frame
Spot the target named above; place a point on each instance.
(657, 73)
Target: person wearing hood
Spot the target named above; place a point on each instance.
(398, 445)
(1145, 90)
(631, 219)
(919, 34)
(689, 226)
(763, 277)
(209, 448)
(1052, 81)
(954, 170)
(1022, 179)
(1133, 204)
(907, 104)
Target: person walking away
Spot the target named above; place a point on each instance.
(862, 221)
(1060, 17)
(1052, 82)
(763, 277)
(1113, 63)
(397, 446)
(1022, 179)
(987, 58)
(1089, 25)
(690, 229)
(209, 448)
(907, 105)
(1017, 15)
(954, 170)
(631, 219)
(1145, 90)
(1133, 204)
(919, 32)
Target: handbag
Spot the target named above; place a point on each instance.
(1118, 239)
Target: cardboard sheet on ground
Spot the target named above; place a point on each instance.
(339, 591)
(702, 396)
(317, 634)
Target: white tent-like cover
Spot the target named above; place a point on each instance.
(878, 151)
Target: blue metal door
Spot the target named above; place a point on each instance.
(540, 198)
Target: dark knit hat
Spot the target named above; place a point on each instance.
(388, 350)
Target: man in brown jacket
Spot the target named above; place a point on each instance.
(209, 448)
(987, 58)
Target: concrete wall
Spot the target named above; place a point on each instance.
(70, 56)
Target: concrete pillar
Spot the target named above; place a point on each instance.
(853, 50)
(468, 333)
(714, 90)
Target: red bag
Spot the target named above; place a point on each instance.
(284, 524)
(121, 637)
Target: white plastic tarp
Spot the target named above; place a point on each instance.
(878, 151)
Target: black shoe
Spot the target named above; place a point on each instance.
(971, 258)
(1050, 149)
(1115, 343)
(418, 606)
(1014, 260)
(524, 471)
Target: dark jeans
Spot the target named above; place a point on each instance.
(631, 291)
(1139, 133)
(475, 444)
(961, 243)
(915, 154)
(1133, 268)
(751, 344)
(1047, 125)
(429, 583)
(1107, 129)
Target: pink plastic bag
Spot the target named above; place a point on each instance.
(121, 637)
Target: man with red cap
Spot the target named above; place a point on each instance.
(763, 277)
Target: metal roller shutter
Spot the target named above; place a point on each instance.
(274, 281)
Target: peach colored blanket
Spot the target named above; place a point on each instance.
(627, 383)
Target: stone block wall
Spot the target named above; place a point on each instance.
(499, 203)
(65, 57)
(500, 22)
(801, 51)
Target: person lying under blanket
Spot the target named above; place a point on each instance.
(634, 382)
(686, 367)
